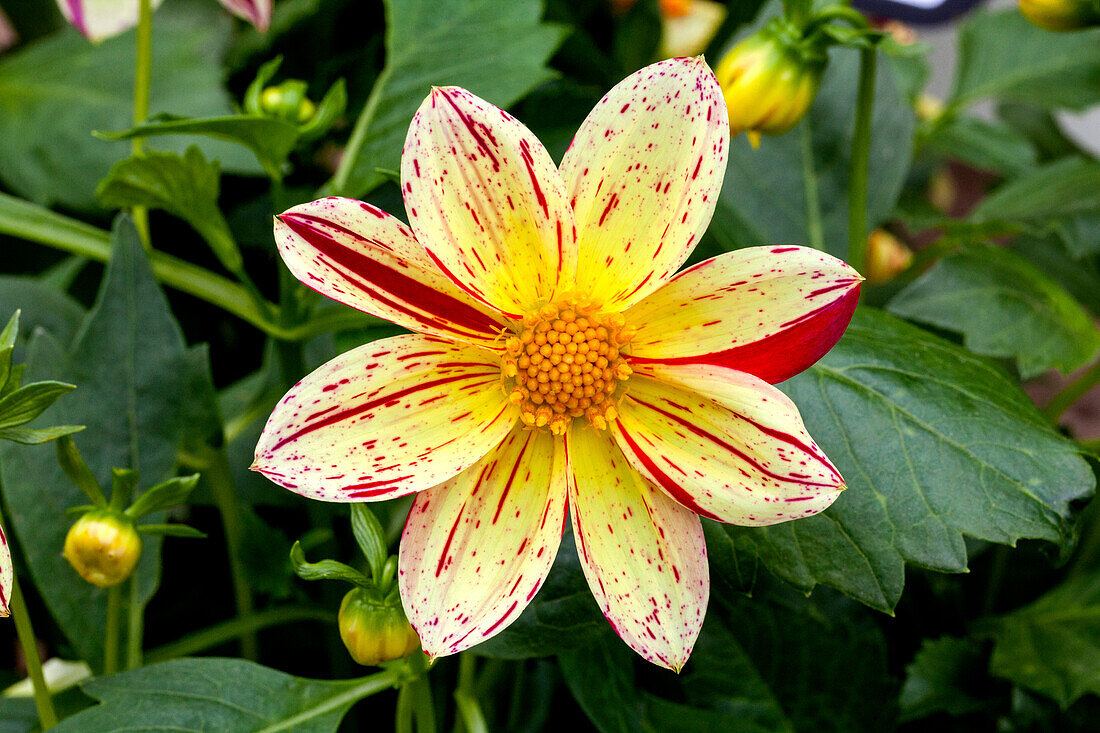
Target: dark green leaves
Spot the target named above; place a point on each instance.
(1004, 306)
(943, 678)
(934, 443)
(496, 50)
(218, 694)
(1068, 187)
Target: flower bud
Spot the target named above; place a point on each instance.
(1061, 15)
(289, 102)
(887, 256)
(769, 81)
(104, 547)
(375, 631)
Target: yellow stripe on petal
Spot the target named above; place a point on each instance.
(725, 444)
(642, 553)
(477, 548)
(643, 176)
(487, 202)
(386, 419)
(769, 311)
(363, 257)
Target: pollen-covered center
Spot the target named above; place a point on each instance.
(566, 363)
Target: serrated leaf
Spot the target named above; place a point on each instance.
(127, 363)
(56, 91)
(216, 694)
(935, 443)
(944, 677)
(496, 50)
(1005, 307)
(1065, 188)
(185, 186)
(1052, 645)
(1003, 56)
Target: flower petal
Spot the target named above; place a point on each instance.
(100, 19)
(768, 311)
(256, 12)
(363, 257)
(725, 444)
(643, 174)
(486, 201)
(7, 575)
(642, 553)
(386, 419)
(477, 548)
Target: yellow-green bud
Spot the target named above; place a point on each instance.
(374, 631)
(289, 102)
(1061, 15)
(769, 81)
(104, 547)
(887, 256)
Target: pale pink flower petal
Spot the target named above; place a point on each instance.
(256, 12)
(389, 418)
(363, 257)
(643, 554)
(487, 203)
(725, 444)
(477, 548)
(768, 311)
(643, 175)
(100, 19)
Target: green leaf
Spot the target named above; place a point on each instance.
(27, 403)
(944, 677)
(1081, 278)
(496, 50)
(128, 365)
(165, 495)
(8, 335)
(171, 530)
(1003, 56)
(370, 537)
(1005, 307)
(56, 91)
(1080, 234)
(935, 443)
(270, 140)
(763, 199)
(219, 694)
(186, 187)
(1052, 645)
(42, 306)
(325, 569)
(992, 146)
(28, 436)
(1061, 189)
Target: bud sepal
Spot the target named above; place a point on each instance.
(375, 630)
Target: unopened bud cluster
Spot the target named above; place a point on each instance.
(374, 631)
(104, 547)
(567, 363)
(1061, 15)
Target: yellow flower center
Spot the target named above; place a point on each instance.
(566, 363)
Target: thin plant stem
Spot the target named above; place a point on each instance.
(809, 184)
(227, 631)
(423, 706)
(470, 717)
(135, 632)
(1072, 392)
(143, 75)
(111, 635)
(861, 149)
(47, 717)
(403, 715)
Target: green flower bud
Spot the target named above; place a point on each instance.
(1061, 15)
(289, 102)
(104, 547)
(770, 80)
(375, 631)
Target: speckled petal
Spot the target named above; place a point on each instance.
(643, 176)
(386, 419)
(768, 311)
(7, 575)
(487, 202)
(477, 548)
(725, 444)
(100, 19)
(642, 553)
(256, 12)
(363, 257)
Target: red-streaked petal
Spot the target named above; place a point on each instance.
(642, 553)
(256, 12)
(725, 444)
(363, 257)
(487, 203)
(386, 419)
(643, 176)
(768, 311)
(477, 548)
(100, 19)
(7, 575)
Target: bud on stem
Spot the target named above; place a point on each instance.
(104, 547)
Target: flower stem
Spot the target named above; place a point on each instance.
(135, 633)
(1072, 392)
(142, 82)
(470, 717)
(46, 715)
(809, 183)
(423, 707)
(234, 628)
(861, 150)
(111, 632)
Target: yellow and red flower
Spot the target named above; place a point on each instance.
(560, 363)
